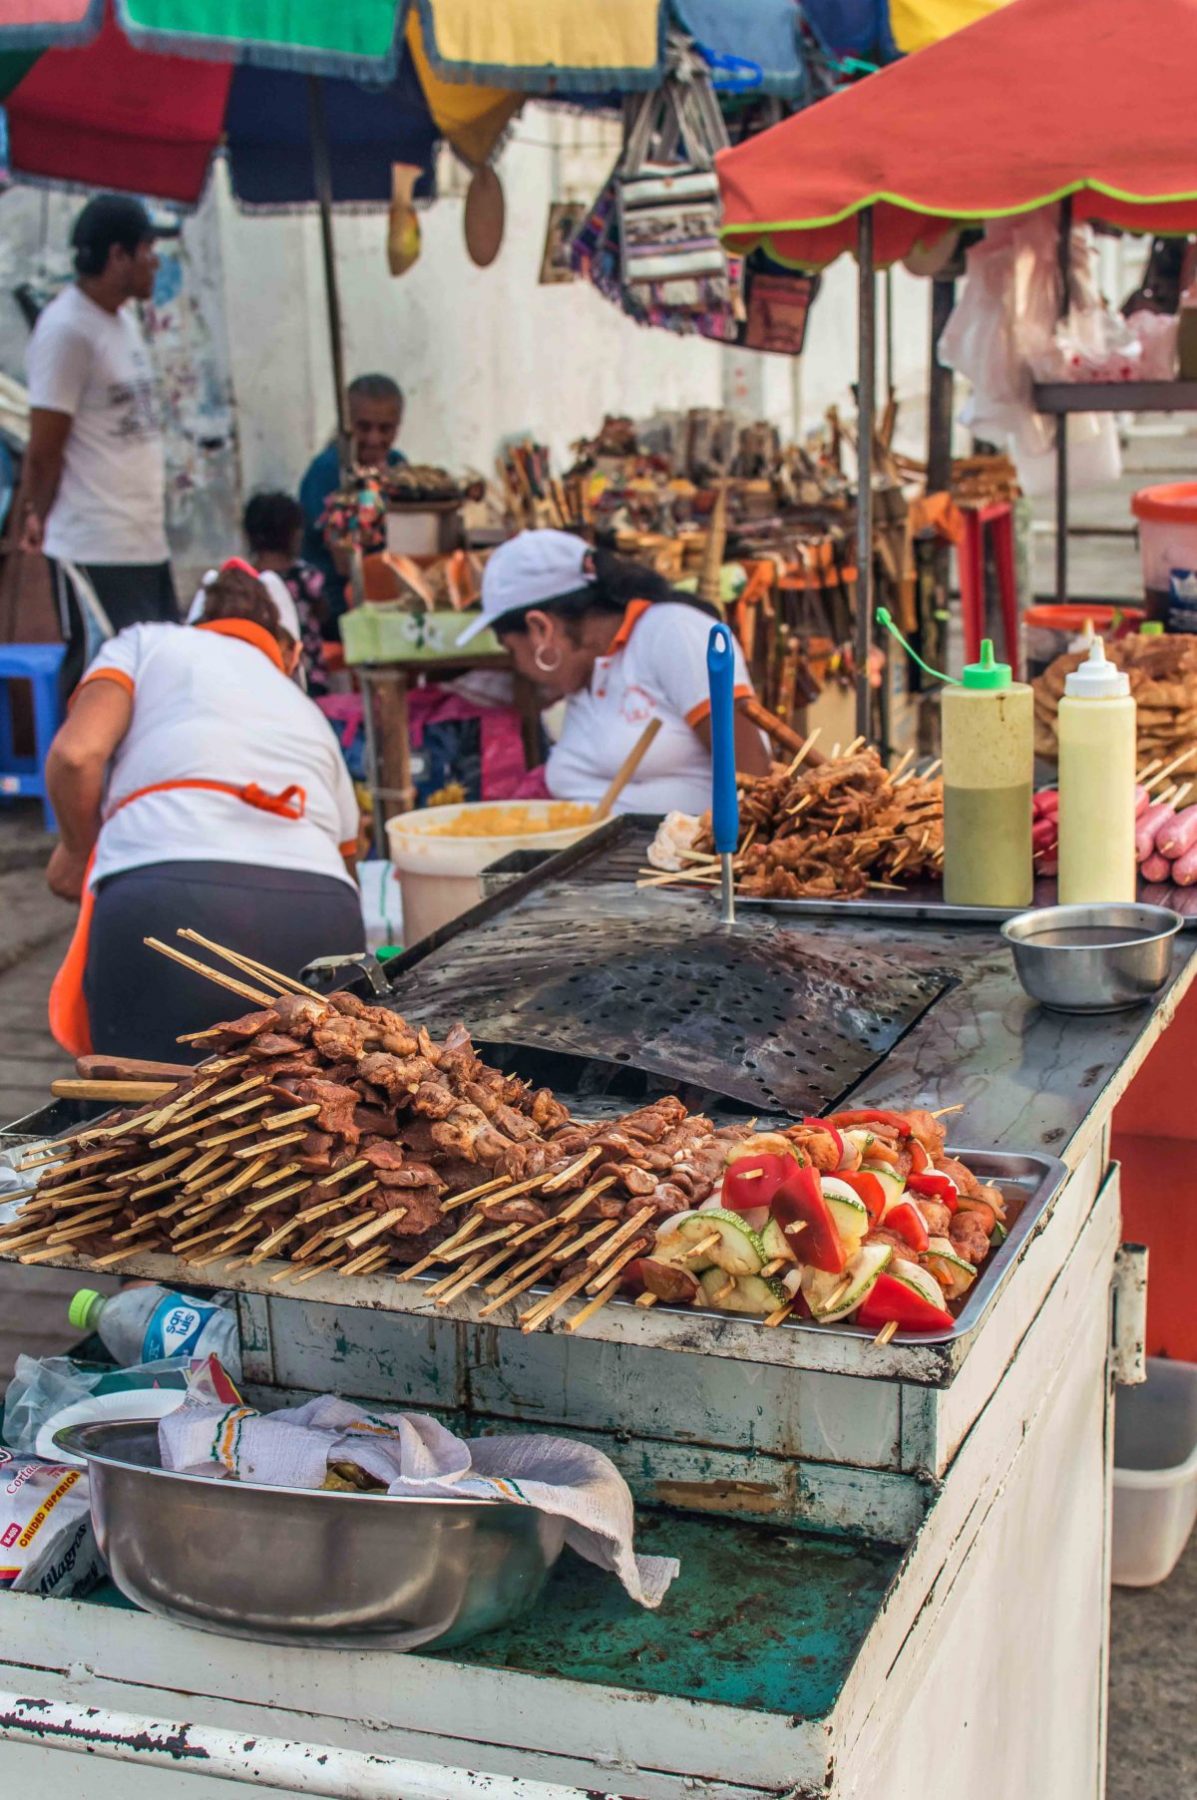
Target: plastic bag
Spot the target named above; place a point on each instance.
(47, 1545)
(42, 1388)
(1005, 325)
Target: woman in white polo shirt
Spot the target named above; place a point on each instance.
(195, 784)
(621, 647)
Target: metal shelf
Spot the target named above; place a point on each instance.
(1115, 396)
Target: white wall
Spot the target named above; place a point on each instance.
(481, 353)
(484, 353)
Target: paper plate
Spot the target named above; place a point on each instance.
(131, 1403)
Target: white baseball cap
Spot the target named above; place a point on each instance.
(528, 570)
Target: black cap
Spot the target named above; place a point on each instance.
(110, 219)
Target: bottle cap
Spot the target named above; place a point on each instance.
(1096, 679)
(79, 1311)
(987, 673)
(1152, 628)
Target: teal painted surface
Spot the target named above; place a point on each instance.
(759, 1619)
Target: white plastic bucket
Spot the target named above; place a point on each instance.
(439, 871)
(1155, 1472)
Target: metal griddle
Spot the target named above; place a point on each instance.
(573, 976)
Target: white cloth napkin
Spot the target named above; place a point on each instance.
(415, 1456)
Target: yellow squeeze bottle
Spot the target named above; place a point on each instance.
(1096, 731)
(988, 763)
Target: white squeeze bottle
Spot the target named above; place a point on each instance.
(145, 1324)
(1096, 731)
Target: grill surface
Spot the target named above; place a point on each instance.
(778, 1017)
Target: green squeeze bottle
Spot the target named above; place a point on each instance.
(988, 767)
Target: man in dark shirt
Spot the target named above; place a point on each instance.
(375, 415)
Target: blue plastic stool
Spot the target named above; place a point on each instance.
(39, 665)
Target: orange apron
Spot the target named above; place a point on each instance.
(69, 1019)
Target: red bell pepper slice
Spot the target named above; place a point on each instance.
(920, 1162)
(799, 1201)
(866, 1187)
(870, 1116)
(906, 1219)
(936, 1187)
(752, 1181)
(889, 1298)
(833, 1134)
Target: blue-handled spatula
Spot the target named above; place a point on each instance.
(725, 804)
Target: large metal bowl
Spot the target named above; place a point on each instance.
(1093, 959)
(291, 1566)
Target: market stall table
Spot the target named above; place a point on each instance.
(890, 1554)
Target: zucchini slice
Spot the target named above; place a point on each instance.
(860, 1274)
(749, 1294)
(738, 1252)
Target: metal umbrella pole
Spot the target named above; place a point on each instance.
(866, 399)
(322, 171)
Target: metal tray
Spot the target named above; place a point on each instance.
(924, 900)
(1033, 1181)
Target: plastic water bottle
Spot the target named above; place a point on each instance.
(146, 1324)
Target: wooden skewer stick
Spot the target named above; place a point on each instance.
(468, 1249)
(523, 1275)
(69, 1234)
(198, 968)
(569, 1211)
(627, 769)
(945, 1110)
(368, 1263)
(722, 1293)
(475, 1272)
(782, 1313)
(124, 1092)
(566, 1175)
(337, 1175)
(270, 1145)
(435, 1256)
(899, 765)
(592, 1306)
(886, 1333)
(474, 1193)
(248, 965)
(771, 1268)
(646, 1300)
(544, 1309)
(262, 1251)
(1146, 770)
(701, 1248)
(568, 1251)
(293, 1116)
(118, 1256)
(48, 1254)
(1176, 763)
(325, 1266)
(436, 1288)
(280, 1174)
(377, 1226)
(613, 1268)
(801, 754)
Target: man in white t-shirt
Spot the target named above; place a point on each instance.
(94, 490)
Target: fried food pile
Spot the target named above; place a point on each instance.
(833, 830)
(1163, 682)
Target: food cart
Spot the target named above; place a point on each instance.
(894, 1558)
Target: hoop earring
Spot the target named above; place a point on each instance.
(546, 667)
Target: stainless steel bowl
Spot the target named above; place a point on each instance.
(1093, 959)
(291, 1566)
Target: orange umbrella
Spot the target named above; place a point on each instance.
(1041, 100)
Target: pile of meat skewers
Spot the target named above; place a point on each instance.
(829, 832)
(334, 1136)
